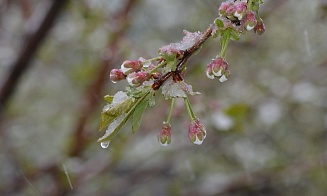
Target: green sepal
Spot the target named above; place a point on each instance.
(219, 23)
(234, 35)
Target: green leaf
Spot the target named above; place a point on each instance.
(122, 122)
(116, 110)
(138, 112)
(108, 98)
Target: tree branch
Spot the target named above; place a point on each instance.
(23, 62)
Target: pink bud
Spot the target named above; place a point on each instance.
(223, 7)
(131, 66)
(117, 75)
(250, 21)
(197, 132)
(218, 67)
(137, 78)
(240, 9)
(260, 27)
(164, 135)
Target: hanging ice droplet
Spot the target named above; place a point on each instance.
(105, 144)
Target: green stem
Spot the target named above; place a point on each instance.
(157, 67)
(224, 46)
(249, 5)
(171, 110)
(189, 109)
(154, 59)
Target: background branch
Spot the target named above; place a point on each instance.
(28, 50)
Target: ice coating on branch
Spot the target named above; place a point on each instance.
(176, 49)
(112, 127)
(189, 39)
(177, 89)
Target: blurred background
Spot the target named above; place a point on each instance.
(266, 125)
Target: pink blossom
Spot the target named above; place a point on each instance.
(250, 21)
(164, 135)
(117, 75)
(218, 67)
(129, 66)
(196, 132)
(137, 78)
(260, 27)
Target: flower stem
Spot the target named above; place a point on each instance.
(249, 5)
(189, 109)
(224, 45)
(171, 110)
(157, 67)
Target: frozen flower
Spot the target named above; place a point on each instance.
(137, 78)
(260, 27)
(164, 135)
(240, 9)
(131, 66)
(117, 75)
(218, 67)
(249, 21)
(196, 132)
(224, 6)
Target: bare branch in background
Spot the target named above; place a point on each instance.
(28, 50)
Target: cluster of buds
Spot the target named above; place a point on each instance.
(218, 67)
(135, 72)
(167, 70)
(196, 133)
(235, 14)
(234, 10)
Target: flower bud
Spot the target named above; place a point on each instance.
(218, 67)
(164, 135)
(197, 132)
(250, 21)
(240, 9)
(131, 66)
(223, 8)
(117, 75)
(137, 78)
(260, 27)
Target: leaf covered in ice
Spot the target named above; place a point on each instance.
(177, 89)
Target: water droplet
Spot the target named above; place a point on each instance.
(105, 144)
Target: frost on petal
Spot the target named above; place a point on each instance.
(177, 89)
(223, 78)
(217, 73)
(198, 141)
(124, 69)
(249, 27)
(112, 127)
